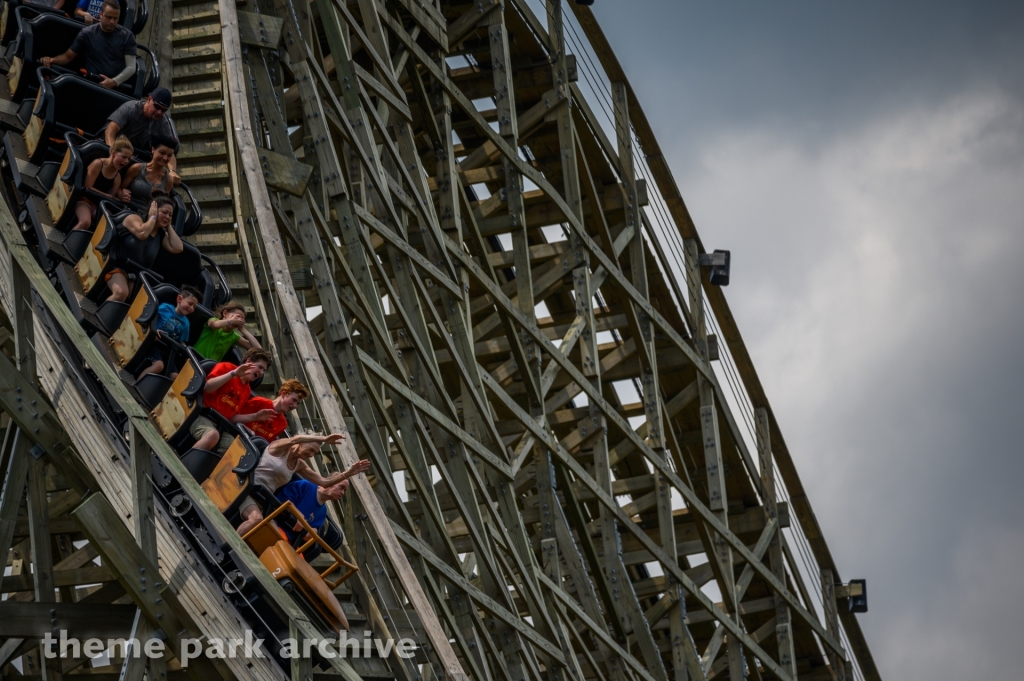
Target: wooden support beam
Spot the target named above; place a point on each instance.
(140, 577)
(837, 659)
(321, 388)
(667, 187)
(13, 490)
(783, 624)
(145, 535)
(719, 552)
(470, 20)
(79, 620)
(260, 30)
(302, 666)
(283, 172)
(133, 667)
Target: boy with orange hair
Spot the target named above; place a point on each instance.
(265, 417)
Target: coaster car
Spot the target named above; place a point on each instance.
(226, 477)
(292, 571)
(57, 110)
(9, 19)
(183, 401)
(46, 34)
(112, 247)
(54, 218)
(134, 16)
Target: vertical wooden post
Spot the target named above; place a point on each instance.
(23, 321)
(145, 536)
(783, 625)
(717, 497)
(505, 105)
(39, 529)
(302, 666)
(828, 599)
(563, 114)
(142, 491)
(133, 667)
(13, 489)
(640, 323)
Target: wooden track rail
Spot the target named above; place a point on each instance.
(451, 220)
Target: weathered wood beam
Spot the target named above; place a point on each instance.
(79, 620)
(321, 388)
(140, 577)
(783, 624)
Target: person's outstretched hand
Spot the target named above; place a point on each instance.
(334, 438)
(358, 467)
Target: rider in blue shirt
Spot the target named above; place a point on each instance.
(171, 322)
(311, 500)
(89, 10)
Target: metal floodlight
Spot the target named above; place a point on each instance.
(585, 3)
(719, 262)
(858, 595)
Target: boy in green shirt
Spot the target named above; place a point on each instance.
(225, 331)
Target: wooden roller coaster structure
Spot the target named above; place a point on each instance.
(453, 222)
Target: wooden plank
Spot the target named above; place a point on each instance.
(429, 18)
(42, 555)
(13, 490)
(302, 668)
(783, 624)
(320, 387)
(284, 172)
(140, 577)
(260, 30)
(79, 620)
(470, 19)
(142, 497)
(95, 574)
(837, 659)
(669, 190)
(57, 526)
(718, 550)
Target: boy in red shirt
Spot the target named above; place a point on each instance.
(266, 418)
(227, 389)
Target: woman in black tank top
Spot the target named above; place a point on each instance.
(133, 238)
(146, 180)
(104, 177)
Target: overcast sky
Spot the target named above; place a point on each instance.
(865, 165)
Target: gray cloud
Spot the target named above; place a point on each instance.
(865, 166)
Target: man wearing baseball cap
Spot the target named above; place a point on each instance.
(141, 119)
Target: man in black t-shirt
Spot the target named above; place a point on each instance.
(109, 49)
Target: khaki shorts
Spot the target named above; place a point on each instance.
(246, 503)
(202, 425)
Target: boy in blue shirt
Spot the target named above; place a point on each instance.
(311, 500)
(172, 322)
(89, 10)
